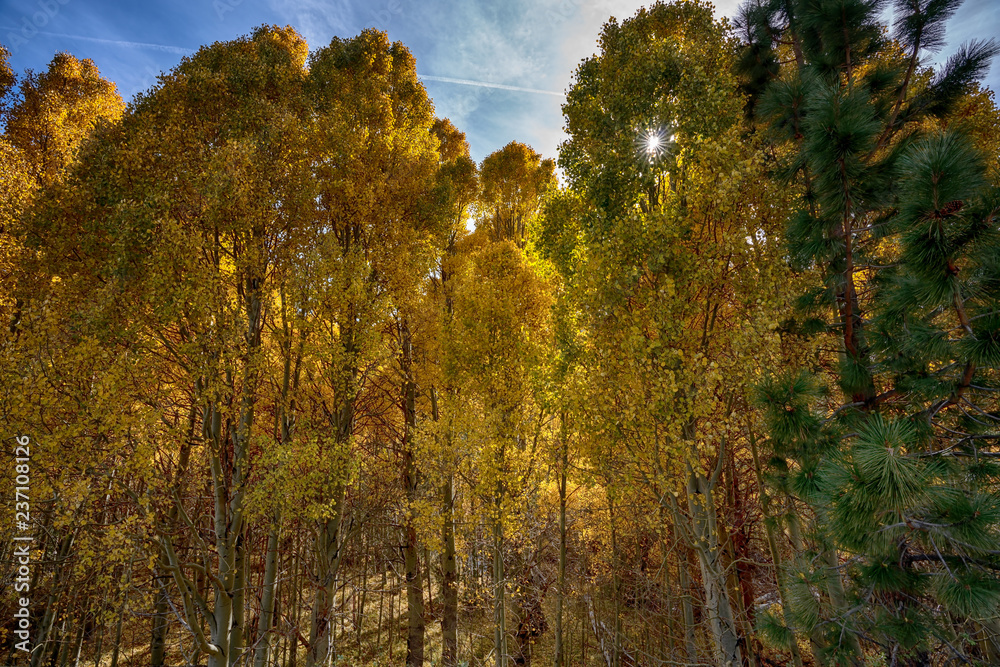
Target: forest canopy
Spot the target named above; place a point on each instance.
(288, 378)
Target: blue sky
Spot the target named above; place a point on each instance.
(530, 47)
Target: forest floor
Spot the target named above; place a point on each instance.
(376, 645)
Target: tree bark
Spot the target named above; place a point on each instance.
(499, 607)
(414, 584)
(616, 582)
(687, 607)
(449, 582)
(705, 541)
(329, 552)
(58, 585)
(560, 653)
(267, 597)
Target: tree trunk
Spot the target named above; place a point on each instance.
(414, 584)
(328, 555)
(560, 653)
(705, 541)
(78, 649)
(449, 566)
(499, 608)
(58, 585)
(236, 634)
(684, 578)
(449, 581)
(77, 645)
(687, 606)
(266, 619)
(616, 583)
(414, 601)
(100, 643)
(158, 640)
(741, 577)
(226, 531)
(298, 570)
(59, 643)
(121, 617)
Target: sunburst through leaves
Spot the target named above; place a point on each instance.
(654, 142)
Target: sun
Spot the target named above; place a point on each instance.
(653, 142)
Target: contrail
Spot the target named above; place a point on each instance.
(486, 84)
(183, 51)
(117, 42)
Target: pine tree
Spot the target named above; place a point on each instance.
(898, 225)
